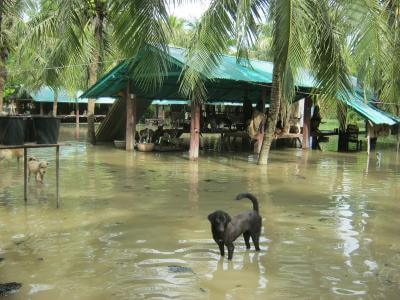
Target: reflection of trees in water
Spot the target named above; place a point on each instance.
(193, 184)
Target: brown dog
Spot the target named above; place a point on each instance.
(226, 229)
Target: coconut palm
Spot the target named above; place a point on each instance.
(11, 16)
(304, 33)
(79, 30)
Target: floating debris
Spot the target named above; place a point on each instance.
(9, 288)
(180, 269)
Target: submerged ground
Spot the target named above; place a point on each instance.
(128, 222)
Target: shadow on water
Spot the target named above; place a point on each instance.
(134, 225)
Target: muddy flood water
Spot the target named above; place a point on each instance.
(134, 226)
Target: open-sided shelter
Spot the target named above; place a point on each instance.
(232, 80)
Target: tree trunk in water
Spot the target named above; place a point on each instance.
(195, 131)
(286, 118)
(94, 68)
(77, 113)
(2, 83)
(306, 122)
(55, 103)
(3, 66)
(272, 116)
(129, 136)
(342, 116)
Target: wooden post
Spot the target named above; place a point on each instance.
(306, 122)
(58, 175)
(341, 112)
(129, 138)
(130, 119)
(77, 113)
(260, 133)
(194, 131)
(41, 108)
(263, 98)
(25, 175)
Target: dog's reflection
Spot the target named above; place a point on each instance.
(235, 279)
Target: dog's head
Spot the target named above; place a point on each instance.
(219, 220)
(43, 167)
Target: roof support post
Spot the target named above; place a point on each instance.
(263, 98)
(306, 122)
(77, 113)
(341, 112)
(195, 131)
(130, 118)
(41, 108)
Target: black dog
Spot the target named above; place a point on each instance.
(225, 230)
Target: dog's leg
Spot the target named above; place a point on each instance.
(246, 236)
(231, 248)
(221, 248)
(255, 236)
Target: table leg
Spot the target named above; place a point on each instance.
(25, 174)
(58, 175)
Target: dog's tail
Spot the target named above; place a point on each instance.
(252, 198)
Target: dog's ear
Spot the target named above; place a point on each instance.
(227, 217)
(211, 217)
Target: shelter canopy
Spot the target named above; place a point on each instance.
(232, 81)
(47, 94)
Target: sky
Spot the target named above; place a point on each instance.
(190, 11)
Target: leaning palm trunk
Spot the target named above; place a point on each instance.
(272, 115)
(94, 69)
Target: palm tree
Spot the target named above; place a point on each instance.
(304, 33)
(81, 34)
(376, 51)
(11, 12)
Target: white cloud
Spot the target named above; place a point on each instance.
(190, 11)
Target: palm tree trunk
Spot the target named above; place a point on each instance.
(55, 103)
(272, 115)
(94, 68)
(2, 69)
(195, 131)
(2, 83)
(91, 135)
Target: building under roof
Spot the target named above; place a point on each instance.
(231, 81)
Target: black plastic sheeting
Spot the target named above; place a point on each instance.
(12, 130)
(47, 129)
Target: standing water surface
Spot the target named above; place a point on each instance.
(134, 226)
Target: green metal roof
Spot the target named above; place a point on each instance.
(230, 82)
(187, 102)
(367, 110)
(46, 94)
